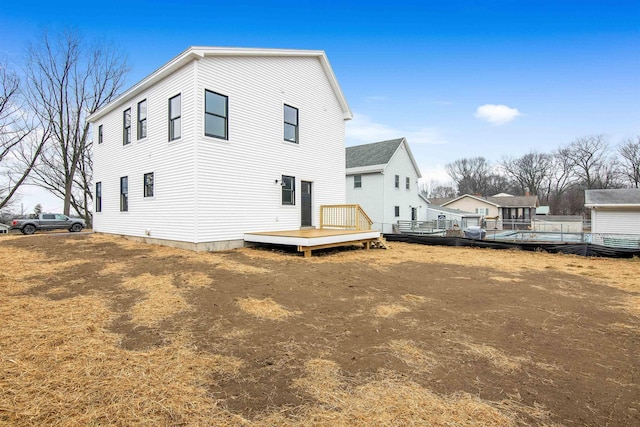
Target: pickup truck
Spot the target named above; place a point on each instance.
(47, 221)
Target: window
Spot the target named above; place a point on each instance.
(482, 211)
(357, 181)
(148, 184)
(288, 190)
(124, 194)
(98, 197)
(126, 127)
(100, 134)
(175, 114)
(397, 181)
(290, 124)
(408, 183)
(215, 114)
(142, 119)
(396, 211)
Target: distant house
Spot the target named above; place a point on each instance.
(220, 142)
(445, 216)
(382, 177)
(615, 214)
(500, 212)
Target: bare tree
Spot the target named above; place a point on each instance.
(21, 137)
(530, 171)
(629, 151)
(470, 174)
(436, 189)
(67, 81)
(561, 178)
(592, 162)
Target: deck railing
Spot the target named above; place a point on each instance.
(348, 217)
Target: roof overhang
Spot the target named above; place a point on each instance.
(366, 169)
(194, 53)
(612, 205)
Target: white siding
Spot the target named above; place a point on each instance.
(379, 196)
(370, 196)
(213, 190)
(170, 214)
(615, 221)
(236, 185)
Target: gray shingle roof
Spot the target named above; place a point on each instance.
(377, 153)
(624, 196)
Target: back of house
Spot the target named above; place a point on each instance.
(220, 142)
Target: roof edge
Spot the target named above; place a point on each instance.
(198, 52)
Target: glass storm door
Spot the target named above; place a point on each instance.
(307, 211)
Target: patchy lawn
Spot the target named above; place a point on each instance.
(99, 330)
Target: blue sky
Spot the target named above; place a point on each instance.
(545, 71)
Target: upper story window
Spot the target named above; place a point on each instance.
(98, 196)
(142, 119)
(408, 183)
(175, 115)
(357, 181)
(148, 184)
(124, 194)
(290, 124)
(100, 134)
(126, 127)
(288, 190)
(482, 211)
(216, 108)
(397, 181)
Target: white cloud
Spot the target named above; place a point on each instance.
(496, 114)
(361, 129)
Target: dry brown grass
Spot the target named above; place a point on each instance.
(385, 400)
(60, 367)
(389, 310)
(161, 298)
(264, 309)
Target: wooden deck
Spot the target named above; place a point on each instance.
(310, 239)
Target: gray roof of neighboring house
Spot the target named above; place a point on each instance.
(378, 153)
(451, 210)
(624, 196)
(514, 201)
(440, 200)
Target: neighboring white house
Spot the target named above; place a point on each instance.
(615, 214)
(220, 142)
(382, 177)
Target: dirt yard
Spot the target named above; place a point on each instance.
(98, 330)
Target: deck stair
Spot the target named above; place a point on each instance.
(380, 243)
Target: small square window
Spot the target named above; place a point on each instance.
(357, 181)
(126, 127)
(397, 181)
(290, 124)
(148, 184)
(216, 109)
(288, 190)
(396, 211)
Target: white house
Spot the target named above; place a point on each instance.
(382, 177)
(615, 214)
(219, 142)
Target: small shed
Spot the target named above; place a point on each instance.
(4, 229)
(456, 216)
(615, 216)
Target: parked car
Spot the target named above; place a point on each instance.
(48, 221)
